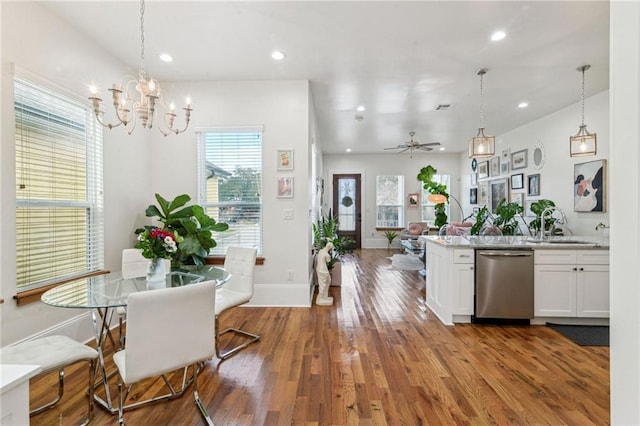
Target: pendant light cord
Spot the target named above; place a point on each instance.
(583, 70)
(142, 71)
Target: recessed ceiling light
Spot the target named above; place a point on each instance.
(523, 105)
(442, 148)
(278, 55)
(361, 108)
(498, 35)
(165, 57)
(348, 149)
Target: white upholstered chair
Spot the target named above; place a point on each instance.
(167, 329)
(53, 353)
(240, 263)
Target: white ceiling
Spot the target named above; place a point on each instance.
(399, 59)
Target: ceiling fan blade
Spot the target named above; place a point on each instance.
(425, 148)
(406, 149)
(397, 147)
(429, 144)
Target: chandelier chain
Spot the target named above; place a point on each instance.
(481, 104)
(142, 36)
(582, 96)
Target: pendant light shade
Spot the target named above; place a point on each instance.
(583, 143)
(482, 146)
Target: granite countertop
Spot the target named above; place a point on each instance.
(516, 242)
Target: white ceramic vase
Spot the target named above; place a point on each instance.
(156, 274)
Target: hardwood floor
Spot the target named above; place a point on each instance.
(377, 357)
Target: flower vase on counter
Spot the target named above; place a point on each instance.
(156, 274)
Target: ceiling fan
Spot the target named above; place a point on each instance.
(414, 145)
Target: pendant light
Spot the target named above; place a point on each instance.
(583, 143)
(482, 146)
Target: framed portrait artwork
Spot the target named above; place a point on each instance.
(498, 191)
(473, 196)
(527, 208)
(590, 186)
(519, 160)
(474, 179)
(285, 187)
(504, 167)
(495, 166)
(483, 193)
(517, 181)
(483, 169)
(413, 200)
(533, 185)
(285, 159)
(517, 198)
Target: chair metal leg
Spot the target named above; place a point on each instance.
(196, 396)
(230, 352)
(55, 401)
(121, 404)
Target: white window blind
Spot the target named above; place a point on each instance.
(230, 185)
(59, 205)
(390, 201)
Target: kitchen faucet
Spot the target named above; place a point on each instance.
(550, 209)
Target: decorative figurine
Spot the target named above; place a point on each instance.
(324, 279)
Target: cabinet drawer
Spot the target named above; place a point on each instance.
(463, 256)
(554, 257)
(593, 257)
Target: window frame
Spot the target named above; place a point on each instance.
(47, 114)
(400, 202)
(442, 179)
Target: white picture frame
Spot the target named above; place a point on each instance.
(285, 159)
(285, 187)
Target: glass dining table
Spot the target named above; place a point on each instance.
(103, 295)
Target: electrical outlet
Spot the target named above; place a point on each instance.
(290, 275)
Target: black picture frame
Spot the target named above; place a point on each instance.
(473, 196)
(517, 181)
(533, 185)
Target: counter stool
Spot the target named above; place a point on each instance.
(53, 353)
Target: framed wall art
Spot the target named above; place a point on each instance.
(590, 186)
(517, 198)
(495, 166)
(483, 193)
(504, 167)
(285, 187)
(474, 179)
(533, 185)
(413, 200)
(517, 181)
(285, 159)
(527, 208)
(473, 196)
(483, 169)
(519, 160)
(498, 191)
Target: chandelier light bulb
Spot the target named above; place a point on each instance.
(93, 89)
(172, 106)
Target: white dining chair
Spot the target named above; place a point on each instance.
(240, 263)
(53, 353)
(167, 329)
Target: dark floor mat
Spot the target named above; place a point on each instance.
(584, 335)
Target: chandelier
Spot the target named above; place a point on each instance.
(147, 103)
(583, 143)
(481, 146)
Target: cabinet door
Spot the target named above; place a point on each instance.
(463, 289)
(555, 291)
(593, 291)
(436, 277)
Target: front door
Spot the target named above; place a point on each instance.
(346, 207)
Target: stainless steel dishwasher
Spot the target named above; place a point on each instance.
(504, 284)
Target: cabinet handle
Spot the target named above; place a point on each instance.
(464, 255)
(582, 269)
(575, 269)
(471, 268)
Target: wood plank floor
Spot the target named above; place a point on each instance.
(377, 357)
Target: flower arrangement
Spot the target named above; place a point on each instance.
(157, 243)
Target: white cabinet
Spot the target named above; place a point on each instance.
(463, 282)
(438, 285)
(572, 283)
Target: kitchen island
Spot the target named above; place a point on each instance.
(571, 276)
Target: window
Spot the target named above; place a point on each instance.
(230, 185)
(428, 215)
(390, 201)
(59, 205)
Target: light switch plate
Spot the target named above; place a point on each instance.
(288, 214)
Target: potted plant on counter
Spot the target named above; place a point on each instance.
(539, 208)
(507, 217)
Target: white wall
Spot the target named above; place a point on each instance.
(372, 165)
(46, 47)
(282, 107)
(625, 233)
(556, 176)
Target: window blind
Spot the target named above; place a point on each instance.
(59, 200)
(230, 184)
(390, 201)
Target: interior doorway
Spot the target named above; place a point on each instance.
(347, 208)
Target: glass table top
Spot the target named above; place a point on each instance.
(111, 290)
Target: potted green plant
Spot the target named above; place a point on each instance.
(390, 235)
(537, 208)
(426, 177)
(325, 230)
(482, 218)
(191, 225)
(507, 217)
